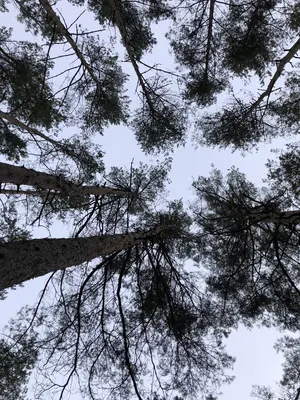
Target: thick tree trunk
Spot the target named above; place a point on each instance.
(24, 176)
(28, 259)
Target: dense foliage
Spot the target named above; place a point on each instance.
(141, 321)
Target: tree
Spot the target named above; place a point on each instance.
(29, 259)
(17, 362)
(248, 240)
(253, 121)
(150, 308)
(49, 184)
(137, 314)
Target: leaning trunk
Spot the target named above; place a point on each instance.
(284, 217)
(28, 259)
(29, 177)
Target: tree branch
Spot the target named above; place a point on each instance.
(63, 30)
(280, 68)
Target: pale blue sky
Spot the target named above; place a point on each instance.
(257, 362)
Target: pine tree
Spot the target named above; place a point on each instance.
(126, 318)
(17, 362)
(138, 313)
(50, 184)
(248, 241)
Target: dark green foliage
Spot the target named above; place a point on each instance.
(294, 17)
(3, 7)
(158, 10)
(146, 183)
(86, 155)
(134, 26)
(285, 172)
(246, 252)
(263, 393)
(238, 126)
(161, 121)
(158, 397)
(11, 145)
(197, 44)
(286, 107)
(24, 88)
(10, 231)
(16, 363)
(251, 37)
(202, 89)
(158, 298)
(35, 19)
(104, 100)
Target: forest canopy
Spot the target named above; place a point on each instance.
(141, 289)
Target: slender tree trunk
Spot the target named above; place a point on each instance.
(35, 132)
(209, 35)
(24, 176)
(290, 217)
(63, 30)
(14, 121)
(115, 5)
(28, 259)
(279, 70)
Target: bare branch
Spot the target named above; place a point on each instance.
(63, 30)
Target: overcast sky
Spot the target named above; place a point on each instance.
(257, 362)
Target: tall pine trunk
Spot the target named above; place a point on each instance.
(28, 259)
(289, 217)
(25, 176)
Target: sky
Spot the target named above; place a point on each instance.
(257, 362)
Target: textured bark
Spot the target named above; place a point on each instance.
(290, 217)
(28, 259)
(24, 176)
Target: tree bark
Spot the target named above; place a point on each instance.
(63, 30)
(24, 176)
(279, 70)
(122, 29)
(28, 259)
(14, 121)
(290, 217)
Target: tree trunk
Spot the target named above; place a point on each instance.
(28, 259)
(290, 217)
(24, 176)
(63, 30)
(279, 70)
